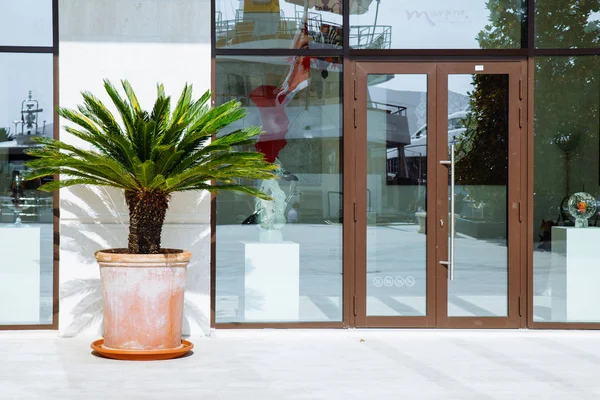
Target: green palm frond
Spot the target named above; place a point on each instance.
(165, 149)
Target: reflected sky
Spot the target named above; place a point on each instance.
(26, 23)
(20, 73)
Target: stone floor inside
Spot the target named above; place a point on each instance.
(314, 364)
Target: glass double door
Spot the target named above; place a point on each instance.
(437, 194)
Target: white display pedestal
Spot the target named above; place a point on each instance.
(575, 274)
(272, 281)
(19, 275)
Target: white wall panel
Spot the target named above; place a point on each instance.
(146, 42)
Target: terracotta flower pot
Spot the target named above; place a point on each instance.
(143, 298)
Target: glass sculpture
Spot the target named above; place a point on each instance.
(581, 206)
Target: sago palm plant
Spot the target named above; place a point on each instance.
(151, 155)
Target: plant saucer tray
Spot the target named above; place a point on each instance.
(141, 355)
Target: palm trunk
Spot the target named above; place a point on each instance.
(147, 212)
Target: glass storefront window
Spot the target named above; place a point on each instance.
(267, 24)
(565, 24)
(566, 161)
(26, 228)
(281, 261)
(396, 194)
(480, 133)
(437, 24)
(26, 23)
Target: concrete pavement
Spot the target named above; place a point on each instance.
(315, 364)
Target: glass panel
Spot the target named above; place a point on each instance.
(287, 268)
(26, 23)
(566, 161)
(268, 24)
(567, 24)
(396, 195)
(478, 127)
(26, 229)
(437, 24)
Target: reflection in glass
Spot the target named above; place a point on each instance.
(396, 195)
(26, 229)
(566, 24)
(26, 23)
(278, 24)
(480, 134)
(566, 161)
(438, 24)
(282, 261)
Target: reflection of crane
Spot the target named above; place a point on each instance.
(30, 109)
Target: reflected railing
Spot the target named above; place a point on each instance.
(245, 29)
(368, 37)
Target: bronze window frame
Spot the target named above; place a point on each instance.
(56, 196)
(525, 55)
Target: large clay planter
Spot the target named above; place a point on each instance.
(143, 298)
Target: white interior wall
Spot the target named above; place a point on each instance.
(146, 42)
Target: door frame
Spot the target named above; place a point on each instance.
(363, 69)
(355, 183)
(515, 220)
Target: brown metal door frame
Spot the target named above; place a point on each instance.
(514, 197)
(355, 151)
(363, 69)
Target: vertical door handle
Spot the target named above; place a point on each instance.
(450, 262)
